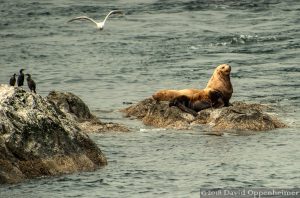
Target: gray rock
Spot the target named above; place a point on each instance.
(238, 117)
(77, 110)
(38, 139)
(71, 105)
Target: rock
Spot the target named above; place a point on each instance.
(71, 105)
(159, 114)
(238, 117)
(77, 110)
(37, 139)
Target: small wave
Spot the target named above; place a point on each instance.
(41, 13)
(244, 39)
(152, 130)
(194, 47)
(237, 39)
(290, 69)
(12, 35)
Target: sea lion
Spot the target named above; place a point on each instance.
(20, 80)
(31, 84)
(169, 94)
(220, 80)
(204, 99)
(217, 93)
(12, 80)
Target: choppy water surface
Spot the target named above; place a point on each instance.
(162, 44)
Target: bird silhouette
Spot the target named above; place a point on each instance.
(20, 80)
(31, 84)
(99, 25)
(12, 80)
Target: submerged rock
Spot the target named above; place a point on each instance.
(38, 139)
(77, 110)
(238, 117)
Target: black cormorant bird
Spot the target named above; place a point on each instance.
(31, 84)
(12, 80)
(21, 78)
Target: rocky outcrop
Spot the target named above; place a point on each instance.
(38, 139)
(77, 110)
(238, 117)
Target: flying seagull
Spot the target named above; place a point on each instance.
(100, 25)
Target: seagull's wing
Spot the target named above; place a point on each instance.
(112, 12)
(84, 18)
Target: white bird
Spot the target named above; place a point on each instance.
(100, 25)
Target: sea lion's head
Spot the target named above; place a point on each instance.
(223, 69)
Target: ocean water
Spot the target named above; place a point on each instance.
(162, 44)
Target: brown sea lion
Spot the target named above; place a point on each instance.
(220, 80)
(216, 94)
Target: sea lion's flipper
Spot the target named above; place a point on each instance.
(200, 105)
(217, 99)
(186, 109)
(226, 103)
